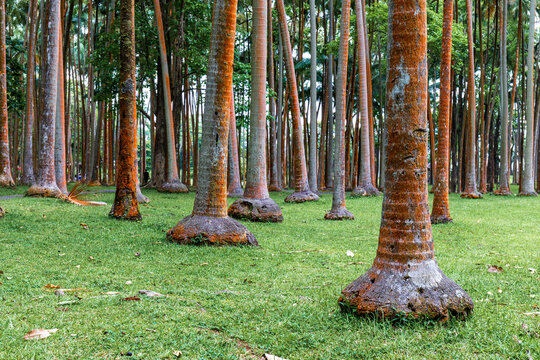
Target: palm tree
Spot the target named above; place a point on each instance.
(339, 211)
(172, 183)
(405, 279)
(471, 190)
(441, 207)
(209, 223)
(60, 125)
(313, 100)
(528, 173)
(126, 204)
(45, 182)
(302, 191)
(256, 204)
(504, 176)
(365, 186)
(6, 180)
(28, 158)
(234, 185)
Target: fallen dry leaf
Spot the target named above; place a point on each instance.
(177, 353)
(203, 264)
(271, 357)
(535, 313)
(84, 226)
(350, 253)
(495, 269)
(130, 298)
(51, 286)
(531, 270)
(39, 334)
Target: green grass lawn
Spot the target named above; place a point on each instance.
(239, 303)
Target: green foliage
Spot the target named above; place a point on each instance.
(16, 73)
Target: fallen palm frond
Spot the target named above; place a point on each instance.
(75, 194)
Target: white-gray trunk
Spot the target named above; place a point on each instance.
(313, 101)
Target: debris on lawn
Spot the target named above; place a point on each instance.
(350, 253)
(150, 293)
(495, 269)
(39, 334)
(132, 298)
(270, 357)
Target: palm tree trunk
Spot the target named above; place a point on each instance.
(302, 190)
(405, 279)
(528, 173)
(6, 180)
(234, 185)
(313, 102)
(339, 211)
(365, 185)
(209, 223)
(126, 204)
(60, 139)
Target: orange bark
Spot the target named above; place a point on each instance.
(6, 180)
(301, 186)
(209, 223)
(405, 279)
(441, 207)
(126, 204)
(234, 186)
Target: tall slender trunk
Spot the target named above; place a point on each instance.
(470, 190)
(528, 173)
(339, 211)
(209, 223)
(126, 204)
(365, 185)
(405, 279)
(6, 180)
(313, 100)
(60, 139)
(256, 204)
(45, 182)
(441, 207)
(172, 183)
(234, 185)
(272, 138)
(302, 190)
(28, 161)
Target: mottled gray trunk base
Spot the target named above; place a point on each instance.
(300, 197)
(173, 187)
(141, 198)
(339, 214)
(46, 190)
(94, 183)
(503, 192)
(235, 192)
(419, 291)
(204, 230)
(441, 220)
(2, 213)
(259, 210)
(6, 181)
(528, 193)
(365, 191)
(27, 180)
(471, 195)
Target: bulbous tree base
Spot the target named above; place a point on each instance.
(260, 210)
(300, 197)
(471, 195)
(2, 213)
(339, 214)
(204, 230)
(124, 207)
(441, 219)
(173, 187)
(419, 291)
(365, 191)
(528, 193)
(236, 192)
(503, 192)
(141, 198)
(6, 181)
(47, 191)
(94, 183)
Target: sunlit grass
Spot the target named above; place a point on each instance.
(236, 303)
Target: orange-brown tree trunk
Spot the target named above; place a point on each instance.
(209, 223)
(60, 139)
(126, 204)
(302, 192)
(45, 183)
(6, 180)
(256, 204)
(365, 185)
(441, 206)
(172, 183)
(471, 191)
(405, 279)
(339, 211)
